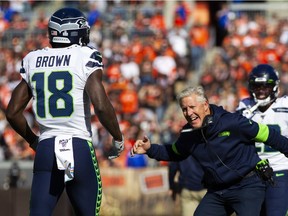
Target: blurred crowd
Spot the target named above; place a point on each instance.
(146, 63)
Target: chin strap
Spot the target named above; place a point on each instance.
(248, 113)
(263, 102)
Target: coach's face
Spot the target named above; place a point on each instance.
(194, 110)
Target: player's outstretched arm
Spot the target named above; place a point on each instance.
(102, 105)
(104, 109)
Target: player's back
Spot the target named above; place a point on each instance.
(57, 77)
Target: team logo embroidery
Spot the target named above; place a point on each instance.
(224, 133)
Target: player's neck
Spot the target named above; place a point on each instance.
(264, 108)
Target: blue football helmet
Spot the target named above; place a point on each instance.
(264, 84)
(68, 26)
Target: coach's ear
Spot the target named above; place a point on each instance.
(208, 119)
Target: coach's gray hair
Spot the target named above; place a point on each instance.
(198, 90)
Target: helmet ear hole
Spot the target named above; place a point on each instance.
(68, 26)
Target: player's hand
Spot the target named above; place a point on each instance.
(118, 147)
(140, 146)
(34, 144)
(247, 113)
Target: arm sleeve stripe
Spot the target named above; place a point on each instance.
(175, 149)
(262, 134)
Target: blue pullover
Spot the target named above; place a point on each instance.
(190, 177)
(225, 148)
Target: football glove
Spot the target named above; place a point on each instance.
(118, 147)
(265, 171)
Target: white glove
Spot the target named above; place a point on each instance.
(247, 113)
(118, 147)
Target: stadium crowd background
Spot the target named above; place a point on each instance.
(151, 50)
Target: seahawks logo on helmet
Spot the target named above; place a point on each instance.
(82, 23)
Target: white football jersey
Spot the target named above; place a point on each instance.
(57, 78)
(277, 116)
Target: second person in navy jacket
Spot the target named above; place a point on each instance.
(224, 145)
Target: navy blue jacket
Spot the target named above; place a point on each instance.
(225, 148)
(190, 174)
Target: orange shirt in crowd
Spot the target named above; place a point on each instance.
(129, 101)
(4, 25)
(247, 66)
(199, 36)
(5, 94)
(268, 55)
(158, 22)
(148, 53)
(113, 72)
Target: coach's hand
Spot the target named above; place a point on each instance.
(118, 147)
(140, 146)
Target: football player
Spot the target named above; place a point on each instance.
(63, 81)
(264, 106)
